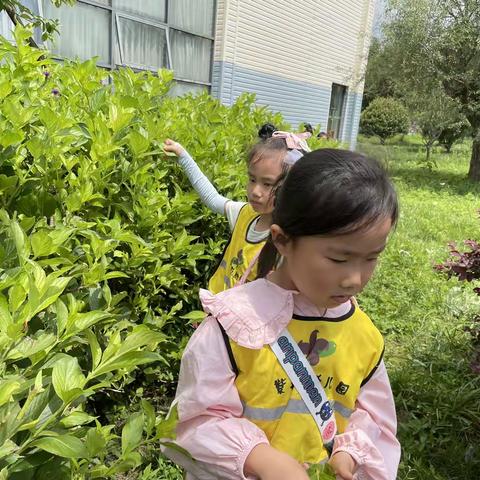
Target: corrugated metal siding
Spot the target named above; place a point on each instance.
(298, 101)
(315, 42)
(291, 56)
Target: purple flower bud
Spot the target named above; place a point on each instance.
(56, 92)
(46, 73)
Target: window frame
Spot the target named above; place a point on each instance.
(115, 36)
(342, 109)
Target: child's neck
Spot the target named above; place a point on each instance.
(264, 222)
(281, 278)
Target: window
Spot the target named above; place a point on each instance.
(337, 107)
(190, 56)
(84, 31)
(140, 45)
(195, 16)
(145, 35)
(153, 9)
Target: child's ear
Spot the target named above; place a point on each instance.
(280, 239)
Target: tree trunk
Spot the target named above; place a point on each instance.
(474, 172)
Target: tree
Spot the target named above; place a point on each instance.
(432, 41)
(433, 112)
(384, 117)
(454, 132)
(20, 14)
(378, 79)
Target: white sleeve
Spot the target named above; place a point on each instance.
(232, 211)
(202, 185)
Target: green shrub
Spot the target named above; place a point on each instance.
(384, 117)
(103, 249)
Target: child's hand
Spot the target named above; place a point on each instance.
(268, 463)
(174, 147)
(344, 465)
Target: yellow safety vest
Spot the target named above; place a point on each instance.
(238, 254)
(344, 353)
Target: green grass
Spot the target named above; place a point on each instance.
(423, 315)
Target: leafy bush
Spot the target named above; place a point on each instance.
(453, 133)
(384, 117)
(465, 265)
(104, 247)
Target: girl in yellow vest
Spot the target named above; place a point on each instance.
(249, 221)
(286, 371)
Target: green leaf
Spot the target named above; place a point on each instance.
(67, 378)
(7, 448)
(39, 382)
(62, 316)
(128, 361)
(132, 432)
(150, 418)
(321, 472)
(138, 143)
(140, 336)
(8, 388)
(20, 241)
(95, 442)
(30, 346)
(82, 321)
(167, 428)
(195, 315)
(66, 446)
(95, 349)
(5, 316)
(11, 137)
(16, 296)
(42, 244)
(56, 469)
(76, 418)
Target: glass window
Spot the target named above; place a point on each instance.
(142, 45)
(191, 56)
(182, 88)
(84, 30)
(151, 9)
(6, 26)
(32, 5)
(337, 107)
(193, 15)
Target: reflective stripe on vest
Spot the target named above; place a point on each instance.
(293, 406)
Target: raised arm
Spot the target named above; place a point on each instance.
(207, 192)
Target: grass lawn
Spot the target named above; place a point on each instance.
(423, 315)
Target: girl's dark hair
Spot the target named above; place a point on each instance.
(266, 131)
(308, 127)
(330, 192)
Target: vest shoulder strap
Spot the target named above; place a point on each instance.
(226, 340)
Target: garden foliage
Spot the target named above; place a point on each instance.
(103, 249)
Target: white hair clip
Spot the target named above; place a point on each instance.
(293, 156)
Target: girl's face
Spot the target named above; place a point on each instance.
(330, 270)
(262, 177)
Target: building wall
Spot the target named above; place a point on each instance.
(290, 56)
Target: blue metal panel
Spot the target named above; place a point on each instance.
(298, 101)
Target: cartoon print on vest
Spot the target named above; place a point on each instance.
(316, 348)
(236, 266)
(325, 412)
